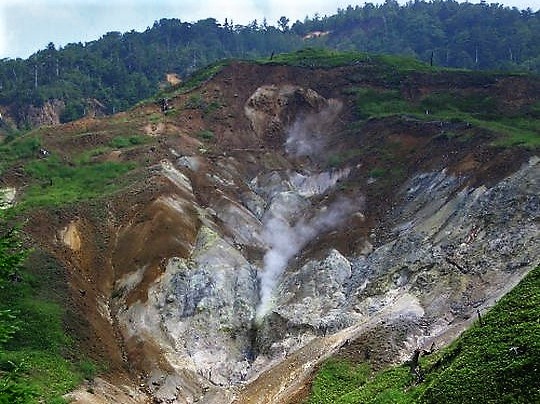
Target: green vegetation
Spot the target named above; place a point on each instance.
(508, 128)
(378, 172)
(372, 103)
(18, 148)
(197, 101)
(311, 57)
(518, 131)
(87, 156)
(402, 63)
(453, 101)
(122, 142)
(56, 182)
(34, 350)
(337, 378)
(201, 76)
(317, 58)
(492, 362)
(206, 135)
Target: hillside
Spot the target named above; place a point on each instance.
(117, 71)
(492, 362)
(219, 247)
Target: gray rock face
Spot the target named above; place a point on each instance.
(316, 294)
(203, 308)
(455, 250)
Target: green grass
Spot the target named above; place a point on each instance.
(518, 131)
(317, 58)
(386, 387)
(482, 365)
(404, 63)
(327, 58)
(23, 147)
(496, 362)
(474, 104)
(378, 172)
(88, 156)
(336, 379)
(377, 103)
(32, 376)
(197, 101)
(122, 142)
(206, 135)
(509, 129)
(56, 182)
(203, 75)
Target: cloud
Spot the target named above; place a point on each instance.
(3, 34)
(33, 24)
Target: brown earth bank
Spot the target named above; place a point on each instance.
(165, 275)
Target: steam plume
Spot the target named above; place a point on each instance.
(307, 135)
(285, 240)
(284, 237)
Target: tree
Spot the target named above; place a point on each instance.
(283, 24)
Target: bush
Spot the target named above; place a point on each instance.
(206, 135)
(32, 367)
(121, 142)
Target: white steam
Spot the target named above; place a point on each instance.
(285, 240)
(307, 135)
(285, 234)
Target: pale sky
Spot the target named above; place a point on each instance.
(27, 26)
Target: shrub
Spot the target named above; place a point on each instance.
(206, 135)
(121, 142)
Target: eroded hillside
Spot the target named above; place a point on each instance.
(221, 244)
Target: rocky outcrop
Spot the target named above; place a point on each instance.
(456, 249)
(273, 110)
(226, 319)
(48, 114)
(453, 252)
(7, 197)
